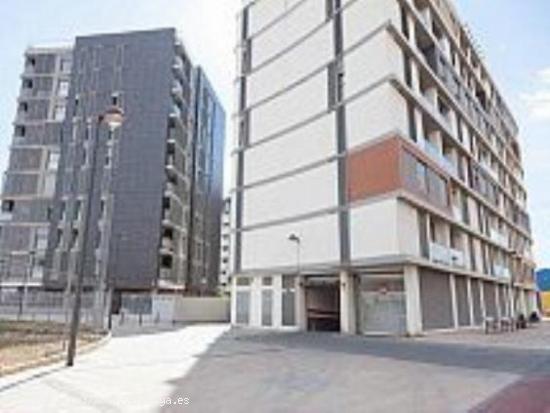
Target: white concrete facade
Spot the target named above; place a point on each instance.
(323, 83)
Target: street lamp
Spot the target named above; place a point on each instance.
(298, 241)
(113, 118)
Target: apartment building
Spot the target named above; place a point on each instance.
(29, 181)
(138, 181)
(379, 183)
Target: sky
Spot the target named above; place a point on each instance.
(514, 37)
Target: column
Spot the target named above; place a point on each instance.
(412, 300)
(454, 304)
(347, 303)
(497, 300)
(301, 314)
(233, 297)
(470, 301)
(482, 299)
(277, 301)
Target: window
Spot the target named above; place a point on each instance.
(108, 156)
(74, 238)
(243, 307)
(53, 161)
(288, 301)
(59, 238)
(77, 210)
(49, 185)
(41, 239)
(63, 88)
(65, 65)
(421, 176)
(102, 209)
(59, 112)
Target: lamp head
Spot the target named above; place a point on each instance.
(113, 117)
(294, 238)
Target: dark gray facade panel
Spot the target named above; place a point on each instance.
(435, 297)
(462, 302)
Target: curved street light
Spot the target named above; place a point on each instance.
(113, 118)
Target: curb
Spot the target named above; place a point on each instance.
(53, 358)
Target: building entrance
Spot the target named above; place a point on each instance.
(322, 296)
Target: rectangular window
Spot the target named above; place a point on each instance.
(267, 308)
(49, 185)
(53, 161)
(41, 239)
(63, 88)
(59, 113)
(288, 301)
(77, 210)
(243, 307)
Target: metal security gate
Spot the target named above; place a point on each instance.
(381, 306)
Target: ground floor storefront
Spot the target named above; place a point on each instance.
(406, 300)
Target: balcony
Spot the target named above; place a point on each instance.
(500, 238)
(457, 213)
(5, 216)
(457, 258)
(433, 151)
(440, 254)
(177, 91)
(167, 244)
(501, 271)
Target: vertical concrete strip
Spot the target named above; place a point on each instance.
(347, 303)
(412, 296)
(470, 301)
(454, 304)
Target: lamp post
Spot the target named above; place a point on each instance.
(113, 117)
(296, 239)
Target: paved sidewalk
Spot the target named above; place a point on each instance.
(221, 370)
(536, 337)
(129, 374)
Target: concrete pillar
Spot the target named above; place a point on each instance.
(412, 29)
(470, 301)
(348, 323)
(482, 299)
(277, 301)
(412, 300)
(233, 297)
(415, 77)
(256, 301)
(301, 313)
(497, 300)
(419, 123)
(454, 304)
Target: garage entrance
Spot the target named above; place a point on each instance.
(322, 296)
(381, 308)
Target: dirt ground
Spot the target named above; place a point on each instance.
(24, 341)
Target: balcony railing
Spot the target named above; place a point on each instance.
(440, 254)
(457, 258)
(499, 237)
(501, 271)
(433, 151)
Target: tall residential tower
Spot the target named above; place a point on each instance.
(379, 184)
(150, 191)
(29, 182)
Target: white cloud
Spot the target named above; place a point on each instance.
(538, 104)
(538, 101)
(544, 75)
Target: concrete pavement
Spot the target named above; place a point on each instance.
(209, 368)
